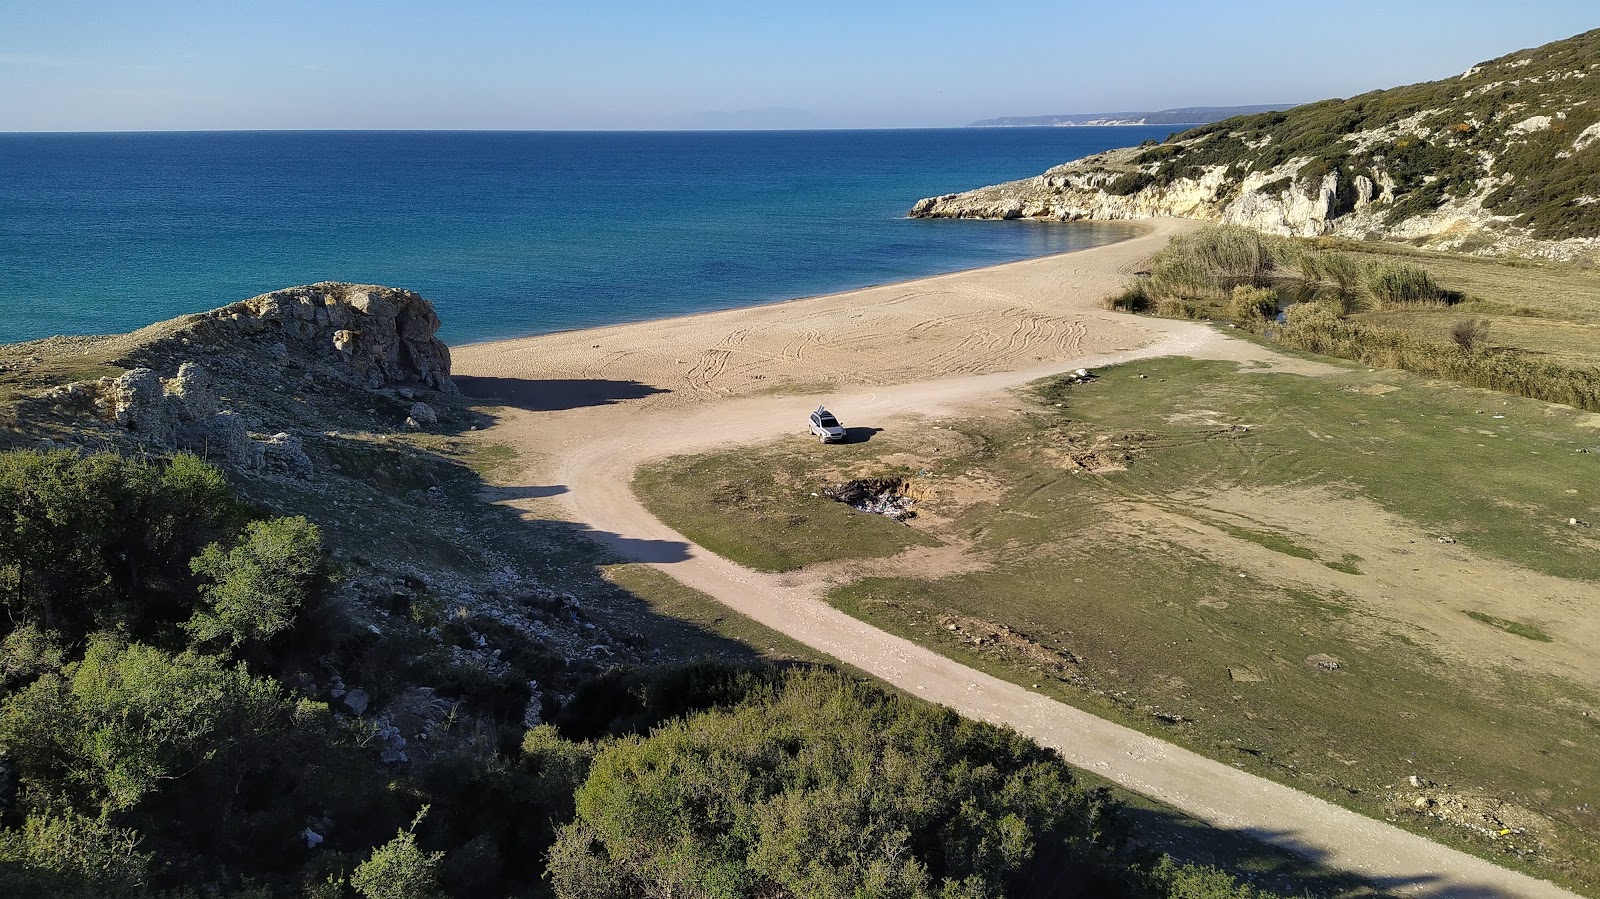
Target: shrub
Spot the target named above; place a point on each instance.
(1470, 334)
(1399, 284)
(1252, 306)
(258, 587)
(70, 856)
(127, 720)
(400, 870)
(826, 787)
(1131, 299)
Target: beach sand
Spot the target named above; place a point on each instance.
(1020, 315)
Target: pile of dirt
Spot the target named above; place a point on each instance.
(1100, 453)
(1509, 825)
(1059, 663)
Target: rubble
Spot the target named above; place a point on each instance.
(888, 497)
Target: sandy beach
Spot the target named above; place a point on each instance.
(1020, 315)
(585, 409)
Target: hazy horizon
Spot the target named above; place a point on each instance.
(506, 66)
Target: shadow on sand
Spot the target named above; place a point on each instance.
(553, 395)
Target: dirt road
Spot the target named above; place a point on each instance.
(591, 441)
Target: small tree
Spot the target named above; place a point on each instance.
(257, 587)
(1470, 334)
(399, 870)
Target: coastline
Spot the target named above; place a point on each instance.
(1021, 314)
(1137, 228)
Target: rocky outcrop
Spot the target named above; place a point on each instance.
(182, 412)
(247, 384)
(361, 334)
(1504, 159)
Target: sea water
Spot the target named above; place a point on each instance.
(509, 233)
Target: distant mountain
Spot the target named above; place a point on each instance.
(1186, 115)
(1504, 158)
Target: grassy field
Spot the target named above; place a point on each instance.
(1340, 582)
(743, 503)
(1549, 309)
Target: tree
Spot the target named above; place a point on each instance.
(257, 588)
(129, 719)
(104, 542)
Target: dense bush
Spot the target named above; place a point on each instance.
(825, 787)
(102, 542)
(256, 589)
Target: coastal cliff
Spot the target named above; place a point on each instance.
(1503, 159)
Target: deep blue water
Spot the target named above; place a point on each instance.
(509, 233)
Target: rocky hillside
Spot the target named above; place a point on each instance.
(1504, 158)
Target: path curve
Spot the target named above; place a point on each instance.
(594, 451)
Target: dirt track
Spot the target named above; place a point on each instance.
(595, 405)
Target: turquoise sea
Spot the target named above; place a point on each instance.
(509, 233)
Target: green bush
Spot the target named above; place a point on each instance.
(102, 542)
(400, 870)
(128, 720)
(70, 856)
(257, 587)
(1253, 306)
(825, 787)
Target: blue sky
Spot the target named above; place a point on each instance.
(178, 64)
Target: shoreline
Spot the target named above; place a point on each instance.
(1137, 227)
(1015, 315)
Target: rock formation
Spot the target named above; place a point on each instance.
(1504, 159)
(239, 385)
(182, 413)
(362, 334)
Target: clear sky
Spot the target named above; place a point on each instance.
(526, 64)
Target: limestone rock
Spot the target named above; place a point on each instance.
(284, 452)
(182, 413)
(364, 334)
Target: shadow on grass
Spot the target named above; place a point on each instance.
(1279, 860)
(860, 435)
(553, 395)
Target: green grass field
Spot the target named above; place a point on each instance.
(1250, 564)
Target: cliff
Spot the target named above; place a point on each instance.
(1502, 159)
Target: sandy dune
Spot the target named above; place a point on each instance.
(587, 408)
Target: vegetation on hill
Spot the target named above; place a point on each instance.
(1436, 141)
(1504, 158)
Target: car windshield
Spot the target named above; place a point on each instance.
(828, 421)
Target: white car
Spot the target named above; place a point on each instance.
(825, 427)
